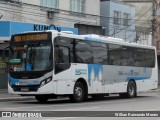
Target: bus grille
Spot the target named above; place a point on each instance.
(33, 88)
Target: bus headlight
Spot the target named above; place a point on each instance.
(10, 83)
(45, 81)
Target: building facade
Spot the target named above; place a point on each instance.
(147, 25)
(17, 16)
(117, 18)
(158, 28)
(143, 20)
(158, 36)
(58, 12)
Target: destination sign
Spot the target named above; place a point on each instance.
(31, 37)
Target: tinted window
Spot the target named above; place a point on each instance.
(139, 57)
(115, 54)
(150, 58)
(99, 53)
(127, 58)
(79, 51)
(61, 54)
(83, 52)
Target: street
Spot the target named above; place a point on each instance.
(144, 102)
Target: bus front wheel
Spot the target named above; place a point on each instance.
(41, 98)
(78, 93)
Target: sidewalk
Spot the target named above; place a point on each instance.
(4, 96)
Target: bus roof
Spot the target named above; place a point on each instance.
(100, 38)
(96, 38)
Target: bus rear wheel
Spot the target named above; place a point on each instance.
(131, 90)
(41, 98)
(78, 93)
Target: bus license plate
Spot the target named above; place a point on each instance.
(24, 89)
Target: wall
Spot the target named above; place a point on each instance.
(62, 17)
(120, 31)
(105, 13)
(34, 2)
(143, 19)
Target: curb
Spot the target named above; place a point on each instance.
(3, 91)
(16, 99)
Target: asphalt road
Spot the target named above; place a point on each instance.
(94, 109)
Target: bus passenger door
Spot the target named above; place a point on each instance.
(62, 68)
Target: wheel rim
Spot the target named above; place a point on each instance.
(131, 90)
(78, 92)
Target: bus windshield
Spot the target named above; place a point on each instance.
(31, 57)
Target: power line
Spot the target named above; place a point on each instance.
(135, 21)
(58, 18)
(41, 15)
(37, 14)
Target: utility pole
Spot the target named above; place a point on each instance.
(154, 22)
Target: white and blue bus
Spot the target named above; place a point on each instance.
(51, 63)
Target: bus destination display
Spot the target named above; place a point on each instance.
(30, 37)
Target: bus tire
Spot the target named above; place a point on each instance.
(78, 93)
(131, 89)
(41, 98)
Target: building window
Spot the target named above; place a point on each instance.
(77, 6)
(117, 17)
(126, 19)
(49, 3)
(12, 1)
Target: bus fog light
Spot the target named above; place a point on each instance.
(48, 80)
(42, 83)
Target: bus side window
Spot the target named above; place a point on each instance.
(139, 58)
(62, 58)
(150, 58)
(115, 52)
(62, 54)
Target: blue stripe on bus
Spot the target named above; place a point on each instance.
(96, 68)
(137, 78)
(15, 81)
(32, 84)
